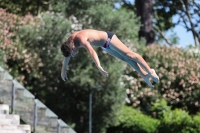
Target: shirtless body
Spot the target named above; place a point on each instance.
(111, 44)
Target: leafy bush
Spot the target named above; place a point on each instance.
(2, 60)
(125, 25)
(196, 122)
(163, 120)
(159, 108)
(131, 120)
(16, 56)
(179, 74)
(175, 121)
(72, 96)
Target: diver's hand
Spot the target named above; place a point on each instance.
(64, 75)
(103, 72)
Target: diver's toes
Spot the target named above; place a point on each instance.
(148, 82)
(155, 79)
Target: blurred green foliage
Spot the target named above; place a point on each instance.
(179, 74)
(79, 8)
(167, 121)
(186, 13)
(132, 120)
(2, 62)
(177, 120)
(30, 46)
(36, 62)
(24, 7)
(124, 25)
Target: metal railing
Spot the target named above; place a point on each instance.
(32, 111)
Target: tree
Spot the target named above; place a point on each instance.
(145, 11)
(131, 120)
(125, 25)
(179, 74)
(40, 41)
(164, 120)
(186, 12)
(71, 97)
(23, 7)
(2, 62)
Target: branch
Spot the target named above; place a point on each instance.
(184, 21)
(160, 31)
(164, 37)
(185, 6)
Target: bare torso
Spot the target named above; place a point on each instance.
(94, 37)
(86, 38)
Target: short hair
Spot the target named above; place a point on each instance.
(66, 47)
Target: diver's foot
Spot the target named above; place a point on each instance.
(147, 80)
(154, 76)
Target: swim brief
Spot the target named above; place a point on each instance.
(106, 45)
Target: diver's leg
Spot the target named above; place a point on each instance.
(130, 62)
(122, 49)
(142, 73)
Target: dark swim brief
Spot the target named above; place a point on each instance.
(110, 35)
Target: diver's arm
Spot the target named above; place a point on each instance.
(64, 67)
(94, 56)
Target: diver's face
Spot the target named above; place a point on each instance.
(74, 51)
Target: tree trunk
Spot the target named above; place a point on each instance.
(144, 11)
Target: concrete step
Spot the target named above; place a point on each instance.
(8, 127)
(15, 131)
(9, 122)
(24, 127)
(4, 109)
(2, 116)
(9, 116)
(15, 127)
